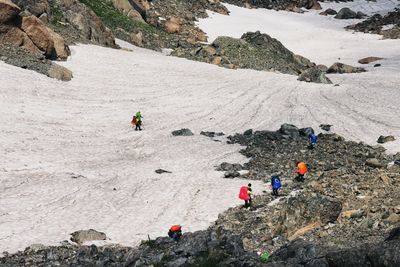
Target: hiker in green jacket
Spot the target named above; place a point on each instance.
(138, 121)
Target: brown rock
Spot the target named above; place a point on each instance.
(385, 179)
(17, 37)
(8, 10)
(126, 8)
(216, 61)
(60, 73)
(368, 60)
(352, 214)
(61, 49)
(137, 38)
(209, 50)
(172, 26)
(39, 34)
(393, 218)
(303, 230)
(344, 68)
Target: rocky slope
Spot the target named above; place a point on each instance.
(388, 25)
(277, 5)
(353, 174)
(252, 51)
(346, 213)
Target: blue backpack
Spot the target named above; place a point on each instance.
(313, 139)
(276, 182)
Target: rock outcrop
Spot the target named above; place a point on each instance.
(252, 51)
(346, 213)
(277, 4)
(387, 25)
(344, 68)
(8, 11)
(30, 33)
(347, 13)
(314, 75)
(20, 57)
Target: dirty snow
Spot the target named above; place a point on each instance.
(71, 161)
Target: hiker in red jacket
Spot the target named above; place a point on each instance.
(246, 195)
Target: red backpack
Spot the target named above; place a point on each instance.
(244, 193)
(133, 120)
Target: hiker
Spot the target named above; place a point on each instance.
(245, 194)
(275, 184)
(313, 140)
(175, 232)
(301, 170)
(138, 121)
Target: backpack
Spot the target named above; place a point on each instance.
(133, 120)
(244, 193)
(175, 228)
(313, 139)
(276, 182)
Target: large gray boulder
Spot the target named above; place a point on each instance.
(83, 236)
(182, 132)
(314, 75)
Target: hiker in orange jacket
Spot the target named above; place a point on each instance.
(301, 170)
(175, 232)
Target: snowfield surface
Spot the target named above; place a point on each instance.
(70, 159)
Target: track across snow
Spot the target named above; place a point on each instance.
(65, 146)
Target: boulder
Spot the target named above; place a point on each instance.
(83, 236)
(329, 11)
(212, 134)
(368, 60)
(346, 13)
(161, 171)
(231, 174)
(344, 68)
(34, 7)
(126, 8)
(172, 25)
(39, 34)
(137, 38)
(325, 127)
(17, 37)
(60, 73)
(62, 51)
(182, 132)
(384, 139)
(8, 10)
(314, 75)
(374, 163)
(306, 131)
(225, 166)
(290, 130)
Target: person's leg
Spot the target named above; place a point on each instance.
(302, 177)
(246, 203)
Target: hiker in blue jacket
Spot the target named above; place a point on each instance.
(313, 140)
(275, 184)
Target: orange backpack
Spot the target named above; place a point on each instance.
(301, 168)
(175, 228)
